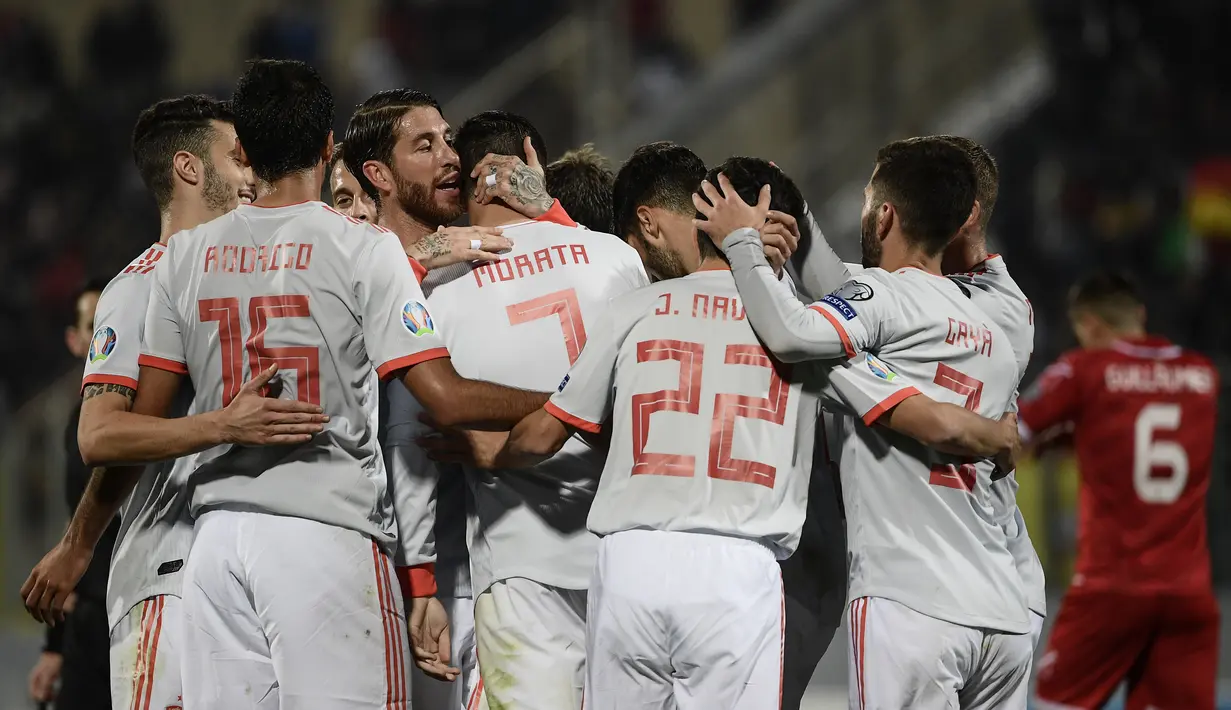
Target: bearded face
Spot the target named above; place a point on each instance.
(420, 200)
(869, 240)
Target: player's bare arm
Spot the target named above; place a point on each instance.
(953, 429)
(454, 401)
(518, 184)
(110, 434)
(453, 245)
(532, 441)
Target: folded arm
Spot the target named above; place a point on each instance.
(454, 401)
(952, 429)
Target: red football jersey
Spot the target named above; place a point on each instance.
(1143, 426)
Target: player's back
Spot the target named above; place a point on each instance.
(521, 322)
(288, 286)
(923, 528)
(709, 434)
(1144, 428)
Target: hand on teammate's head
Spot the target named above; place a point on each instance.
(780, 235)
(724, 211)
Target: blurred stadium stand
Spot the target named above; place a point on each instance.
(1110, 119)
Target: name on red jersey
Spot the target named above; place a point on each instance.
(525, 265)
(1158, 378)
(705, 306)
(232, 259)
(968, 335)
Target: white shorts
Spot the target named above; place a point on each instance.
(684, 620)
(427, 693)
(531, 643)
(289, 613)
(1036, 628)
(145, 656)
(899, 658)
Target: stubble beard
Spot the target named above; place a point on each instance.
(416, 200)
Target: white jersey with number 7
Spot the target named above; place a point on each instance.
(326, 298)
(521, 322)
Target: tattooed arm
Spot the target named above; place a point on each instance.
(520, 185)
(451, 245)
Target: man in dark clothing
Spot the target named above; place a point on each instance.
(76, 652)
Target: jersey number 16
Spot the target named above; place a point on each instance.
(303, 361)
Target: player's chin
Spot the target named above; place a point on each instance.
(449, 204)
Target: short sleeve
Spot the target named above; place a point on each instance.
(584, 397)
(868, 387)
(862, 311)
(163, 342)
(119, 322)
(398, 330)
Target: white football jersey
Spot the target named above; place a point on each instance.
(521, 322)
(328, 299)
(994, 291)
(708, 433)
(155, 527)
(922, 528)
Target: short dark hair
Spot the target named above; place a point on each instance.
(582, 181)
(987, 174)
(283, 116)
(497, 132)
(1110, 295)
(372, 131)
(663, 175)
(931, 185)
(748, 176)
(166, 128)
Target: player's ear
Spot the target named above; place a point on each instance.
(327, 153)
(885, 219)
(379, 174)
(186, 166)
(647, 223)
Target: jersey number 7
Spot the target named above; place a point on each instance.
(727, 407)
(304, 361)
(961, 477)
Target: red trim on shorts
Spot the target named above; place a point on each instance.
(863, 628)
(401, 698)
(384, 623)
(888, 403)
(417, 580)
(101, 379)
(139, 671)
(160, 602)
(476, 694)
(162, 363)
(387, 369)
(833, 320)
(571, 419)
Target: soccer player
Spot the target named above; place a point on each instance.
(185, 150)
(687, 602)
(344, 190)
(931, 575)
(288, 282)
(1140, 609)
(531, 555)
(582, 181)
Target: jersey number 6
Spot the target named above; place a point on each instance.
(687, 399)
(304, 361)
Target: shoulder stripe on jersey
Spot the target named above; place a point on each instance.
(1166, 352)
(145, 264)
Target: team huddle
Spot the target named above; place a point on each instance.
(632, 441)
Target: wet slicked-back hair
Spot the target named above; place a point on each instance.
(498, 132)
(372, 131)
(987, 175)
(283, 116)
(1112, 296)
(748, 176)
(663, 175)
(582, 181)
(166, 128)
(931, 185)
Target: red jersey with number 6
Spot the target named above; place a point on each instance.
(1143, 413)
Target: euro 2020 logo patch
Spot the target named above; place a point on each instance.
(880, 369)
(416, 318)
(102, 344)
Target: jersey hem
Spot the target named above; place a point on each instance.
(105, 379)
(571, 419)
(970, 622)
(387, 369)
(162, 363)
(546, 580)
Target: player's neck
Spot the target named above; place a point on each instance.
(406, 226)
(712, 263)
(899, 255)
(965, 253)
(495, 214)
(181, 215)
(293, 189)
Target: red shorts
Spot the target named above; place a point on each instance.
(1165, 647)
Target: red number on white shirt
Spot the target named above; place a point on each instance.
(303, 360)
(687, 399)
(559, 303)
(961, 477)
